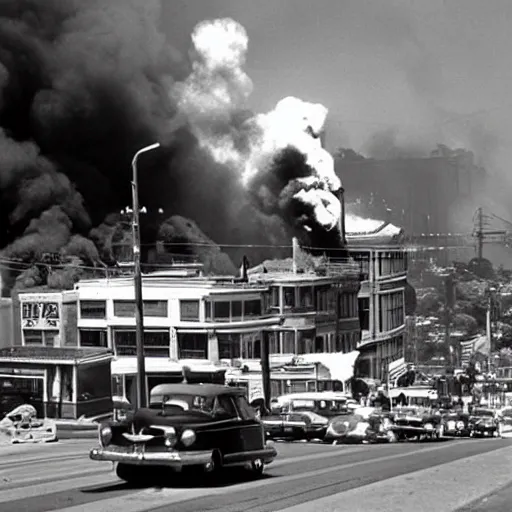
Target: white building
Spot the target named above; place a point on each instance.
(383, 266)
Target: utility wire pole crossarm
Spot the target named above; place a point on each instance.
(139, 305)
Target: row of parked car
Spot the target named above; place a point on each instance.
(334, 418)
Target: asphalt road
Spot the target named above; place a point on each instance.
(462, 475)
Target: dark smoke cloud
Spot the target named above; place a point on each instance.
(83, 86)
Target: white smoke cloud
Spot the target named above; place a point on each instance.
(218, 88)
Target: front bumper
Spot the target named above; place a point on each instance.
(173, 459)
(408, 429)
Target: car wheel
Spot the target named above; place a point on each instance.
(257, 467)
(128, 473)
(214, 467)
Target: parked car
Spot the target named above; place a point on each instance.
(324, 403)
(186, 425)
(483, 422)
(295, 426)
(456, 424)
(365, 424)
(505, 422)
(416, 423)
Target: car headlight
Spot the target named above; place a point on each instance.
(170, 437)
(188, 437)
(104, 434)
(429, 426)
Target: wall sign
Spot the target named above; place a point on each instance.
(40, 315)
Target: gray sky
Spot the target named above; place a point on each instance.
(416, 65)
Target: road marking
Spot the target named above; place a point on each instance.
(444, 488)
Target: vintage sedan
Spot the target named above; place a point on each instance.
(207, 426)
(295, 426)
(365, 424)
(483, 422)
(416, 423)
(505, 418)
(456, 424)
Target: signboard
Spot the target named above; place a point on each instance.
(256, 391)
(40, 315)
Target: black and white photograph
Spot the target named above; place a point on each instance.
(255, 255)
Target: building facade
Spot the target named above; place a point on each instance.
(382, 261)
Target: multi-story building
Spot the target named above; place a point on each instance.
(382, 261)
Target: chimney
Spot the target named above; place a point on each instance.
(343, 234)
(295, 253)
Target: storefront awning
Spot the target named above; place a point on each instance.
(37, 355)
(339, 365)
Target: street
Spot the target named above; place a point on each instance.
(447, 476)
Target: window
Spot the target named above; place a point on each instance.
(364, 313)
(363, 260)
(33, 337)
(208, 310)
(391, 311)
(245, 411)
(124, 308)
(156, 343)
(305, 342)
(288, 342)
(306, 297)
(252, 308)
(348, 305)
(40, 337)
(273, 342)
(236, 310)
(189, 310)
(319, 344)
(392, 262)
(321, 301)
(225, 407)
(192, 345)
(93, 338)
(93, 309)
(94, 382)
(67, 383)
(156, 308)
(289, 297)
(274, 297)
(229, 346)
(221, 311)
(251, 346)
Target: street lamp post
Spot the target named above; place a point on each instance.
(139, 306)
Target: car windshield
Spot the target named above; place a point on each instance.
(408, 410)
(179, 403)
(319, 405)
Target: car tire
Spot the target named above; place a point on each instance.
(257, 467)
(129, 473)
(215, 467)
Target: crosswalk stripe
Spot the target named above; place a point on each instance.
(456, 484)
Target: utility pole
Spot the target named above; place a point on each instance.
(480, 232)
(449, 303)
(137, 279)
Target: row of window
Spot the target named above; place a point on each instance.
(389, 263)
(391, 311)
(195, 345)
(189, 309)
(313, 298)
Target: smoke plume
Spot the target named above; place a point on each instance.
(278, 156)
(84, 85)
